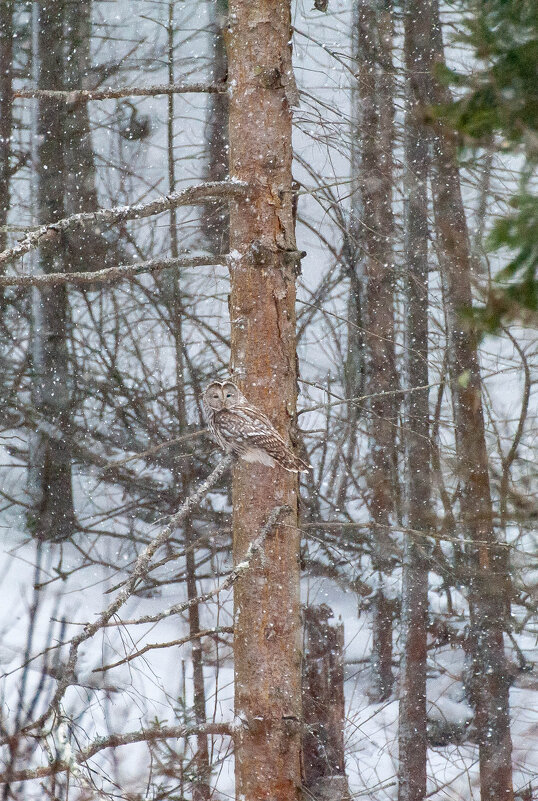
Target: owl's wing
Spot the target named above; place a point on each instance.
(253, 437)
(245, 423)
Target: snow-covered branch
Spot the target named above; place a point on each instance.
(137, 574)
(111, 274)
(185, 197)
(110, 93)
(152, 734)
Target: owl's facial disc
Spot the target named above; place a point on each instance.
(214, 396)
(229, 392)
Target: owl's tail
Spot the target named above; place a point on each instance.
(292, 463)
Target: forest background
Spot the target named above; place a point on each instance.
(406, 224)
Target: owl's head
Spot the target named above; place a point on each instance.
(223, 395)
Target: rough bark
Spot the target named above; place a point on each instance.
(324, 772)
(262, 311)
(488, 587)
(378, 318)
(412, 733)
(49, 475)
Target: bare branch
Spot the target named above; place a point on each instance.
(254, 548)
(184, 197)
(139, 571)
(85, 95)
(171, 644)
(154, 734)
(360, 398)
(111, 274)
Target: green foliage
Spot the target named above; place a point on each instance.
(499, 106)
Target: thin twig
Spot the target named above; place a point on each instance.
(139, 571)
(171, 644)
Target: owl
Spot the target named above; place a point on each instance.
(240, 428)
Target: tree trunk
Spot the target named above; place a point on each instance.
(182, 472)
(80, 177)
(378, 316)
(49, 479)
(201, 791)
(6, 127)
(323, 706)
(215, 217)
(412, 714)
(262, 311)
(6, 112)
(489, 583)
(79, 158)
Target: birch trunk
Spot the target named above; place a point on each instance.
(262, 309)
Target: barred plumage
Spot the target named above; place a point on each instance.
(240, 428)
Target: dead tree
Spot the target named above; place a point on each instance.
(262, 311)
(323, 706)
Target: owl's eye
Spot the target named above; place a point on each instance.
(215, 395)
(228, 394)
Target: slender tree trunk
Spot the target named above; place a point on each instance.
(201, 790)
(215, 216)
(6, 127)
(80, 176)
(489, 583)
(88, 247)
(262, 310)
(378, 310)
(49, 480)
(6, 112)
(412, 720)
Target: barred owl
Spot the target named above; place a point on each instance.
(240, 428)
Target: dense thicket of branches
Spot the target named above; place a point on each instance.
(158, 231)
